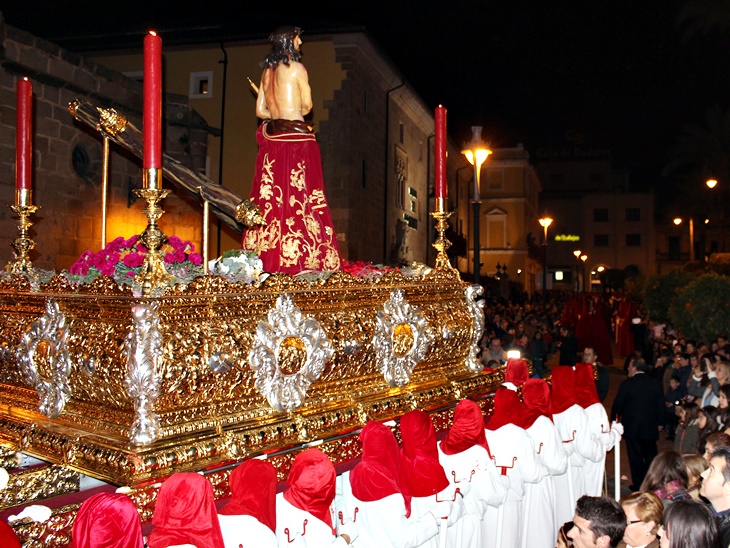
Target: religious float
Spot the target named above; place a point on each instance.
(130, 383)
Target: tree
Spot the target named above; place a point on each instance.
(660, 291)
(702, 309)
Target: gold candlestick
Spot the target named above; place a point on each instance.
(153, 274)
(442, 244)
(22, 244)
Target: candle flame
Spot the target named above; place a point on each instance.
(153, 33)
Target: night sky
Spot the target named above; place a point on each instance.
(625, 74)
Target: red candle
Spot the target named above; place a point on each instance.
(440, 152)
(23, 135)
(152, 118)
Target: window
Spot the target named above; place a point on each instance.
(633, 240)
(201, 85)
(496, 229)
(600, 240)
(600, 215)
(633, 214)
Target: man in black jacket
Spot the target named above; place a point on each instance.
(568, 346)
(715, 487)
(639, 406)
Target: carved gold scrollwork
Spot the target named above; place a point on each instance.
(476, 308)
(288, 354)
(44, 361)
(143, 347)
(402, 339)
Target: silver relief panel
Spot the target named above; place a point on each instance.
(476, 308)
(44, 361)
(402, 339)
(289, 353)
(144, 348)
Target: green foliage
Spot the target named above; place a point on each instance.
(659, 291)
(702, 309)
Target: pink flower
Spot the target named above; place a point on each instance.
(116, 244)
(98, 260)
(107, 269)
(195, 258)
(176, 242)
(133, 259)
(177, 256)
(79, 268)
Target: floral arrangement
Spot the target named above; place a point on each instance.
(363, 269)
(238, 265)
(122, 260)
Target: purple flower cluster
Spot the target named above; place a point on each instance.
(130, 253)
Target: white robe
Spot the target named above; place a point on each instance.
(383, 523)
(514, 456)
(540, 520)
(474, 473)
(600, 427)
(572, 424)
(316, 533)
(247, 531)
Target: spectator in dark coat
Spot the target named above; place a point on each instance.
(568, 346)
(639, 404)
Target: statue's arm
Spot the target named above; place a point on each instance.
(262, 109)
(305, 91)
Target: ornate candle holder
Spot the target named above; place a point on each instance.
(22, 244)
(442, 244)
(153, 274)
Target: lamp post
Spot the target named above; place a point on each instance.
(476, 152)
(584, 258)
(545, 222)
(577, 253)
(678, 221)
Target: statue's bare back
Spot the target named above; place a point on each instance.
(284, 92)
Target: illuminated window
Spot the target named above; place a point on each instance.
(201, 85)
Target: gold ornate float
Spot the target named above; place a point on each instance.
(129, 389)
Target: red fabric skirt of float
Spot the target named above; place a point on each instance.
(288, 187)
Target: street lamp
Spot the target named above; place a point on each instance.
(584, 258)
(678, 221)
(545, 222)
(711, 183)
(577, 253)
(476, 152)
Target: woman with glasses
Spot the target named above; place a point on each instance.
(643, 519)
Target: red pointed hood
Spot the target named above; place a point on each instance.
(378, 474)
(586, 393)
(563, 391)
(419, 455)
(185, 513)
(311, 484)
(467, 429)
(508, 409)
(536, 398)
(516, 372)
(253, 492)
